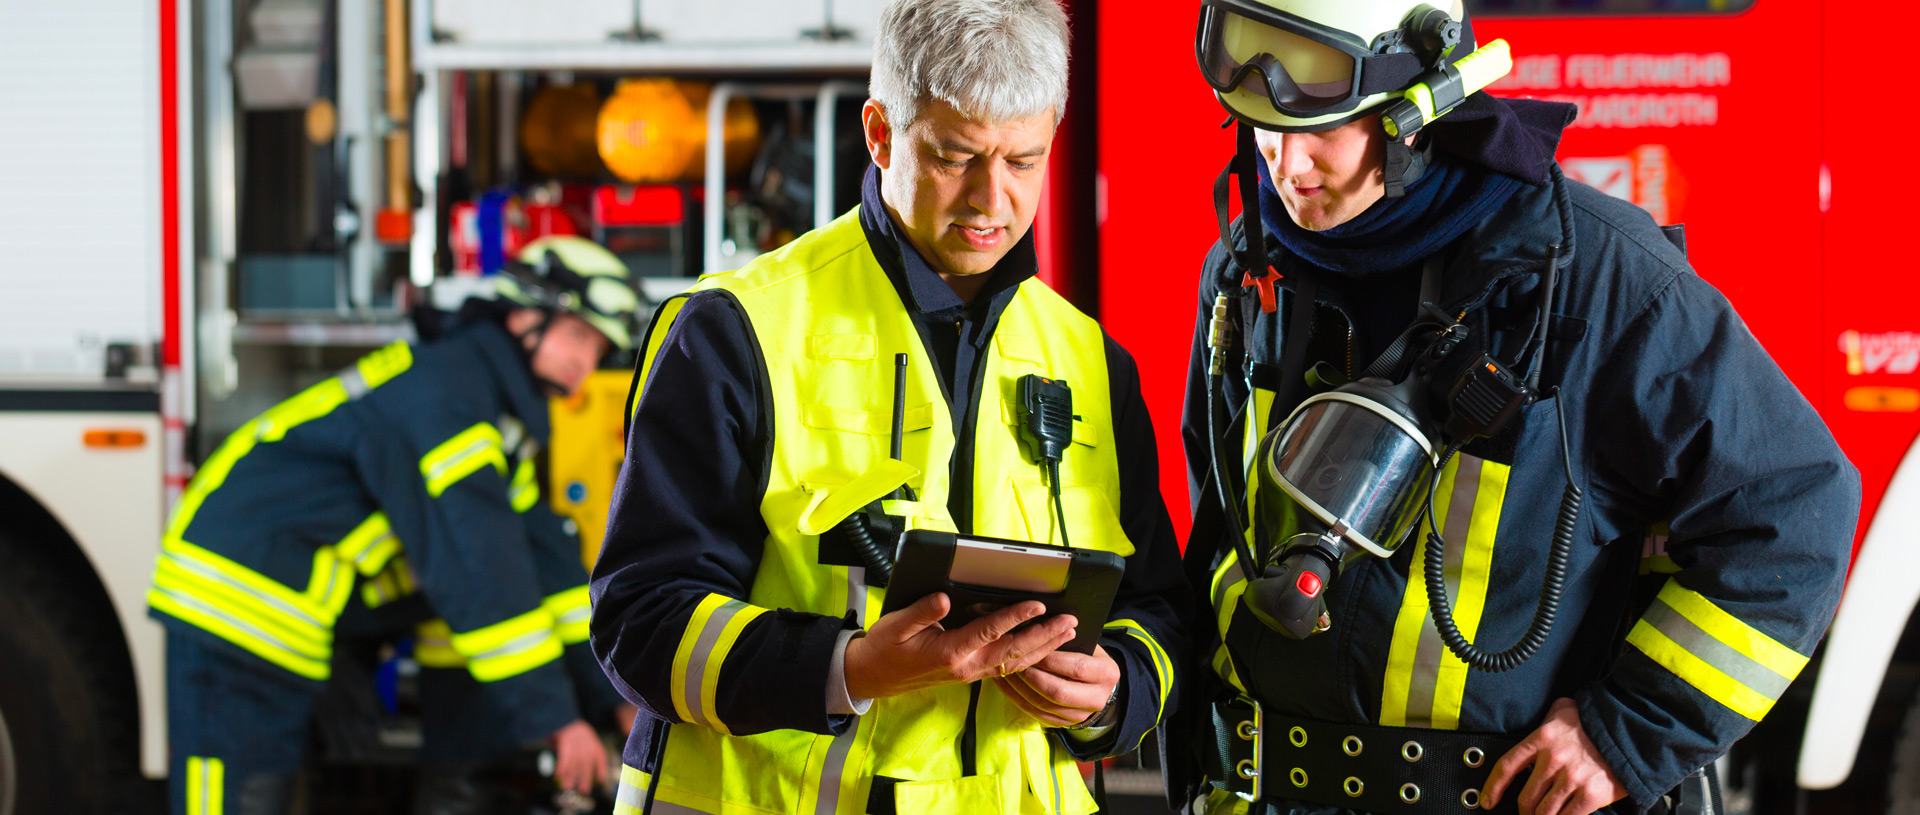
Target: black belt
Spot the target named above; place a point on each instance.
(1261, 755)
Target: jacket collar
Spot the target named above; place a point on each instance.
(920, 287)
(1513, 240)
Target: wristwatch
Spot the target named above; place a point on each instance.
(1106, 716)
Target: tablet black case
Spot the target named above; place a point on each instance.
(926, 557)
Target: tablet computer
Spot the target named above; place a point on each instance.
(982, 575)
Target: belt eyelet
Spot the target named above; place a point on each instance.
(1409, 793)
(1412, 751)
(1353, 787)
(1474, 757)
(1351, 745)
(1470, 799)
(1298, 735)
(1247, 731)
(1246, 769)
(1298, 777)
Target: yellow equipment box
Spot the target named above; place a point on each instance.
(584, 456)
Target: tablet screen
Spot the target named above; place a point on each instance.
(1015, 568)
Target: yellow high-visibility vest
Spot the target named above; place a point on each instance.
(828, 323)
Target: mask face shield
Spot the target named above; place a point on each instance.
(1343, 478)
(1354, 465)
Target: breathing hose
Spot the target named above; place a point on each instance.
(1229, 505)
(1551, 585)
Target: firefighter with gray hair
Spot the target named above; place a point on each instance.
(739, 598)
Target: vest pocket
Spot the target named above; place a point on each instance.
(708, 772)
(970, 794)
(866, 422)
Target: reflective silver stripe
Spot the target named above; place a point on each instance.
(203, 607)
(1426, 661)
(370, 547)
(208, 572)
(697, 663)
(1053, 776)
(630, 795)
(834, 770)
(473, 448)
(354, 382)
(206, 787)
(577, 614)
(1737, 666)
(518, 645)
(333, 579)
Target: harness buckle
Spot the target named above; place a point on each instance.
(1263, 285)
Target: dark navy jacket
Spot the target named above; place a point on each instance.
(686, 520)
(476, 559)
(1680, 424)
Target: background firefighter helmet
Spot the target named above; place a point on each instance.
(1310, 65)
(577, 276)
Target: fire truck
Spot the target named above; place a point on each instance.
(216, 204)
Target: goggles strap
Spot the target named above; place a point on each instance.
(1404, 165)
(527, 353)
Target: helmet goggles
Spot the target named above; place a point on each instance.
(1320, 70)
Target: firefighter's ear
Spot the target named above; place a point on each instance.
(873, 121)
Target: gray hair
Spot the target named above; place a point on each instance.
(992, 60)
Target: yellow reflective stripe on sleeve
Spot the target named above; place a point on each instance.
(1726, 659)
(206, 786)
(433, 645)
(1162, 664)
(370, 545)
(271, 426)
(523, 493)
(632, 796)
(385, 364)
(332, 581)
(461, 456)
(710, 634)
(392, 583)
(373, 370)
(509, 648)
(572, 611)
(1425, 683)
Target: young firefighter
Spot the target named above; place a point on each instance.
(1514, 331)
